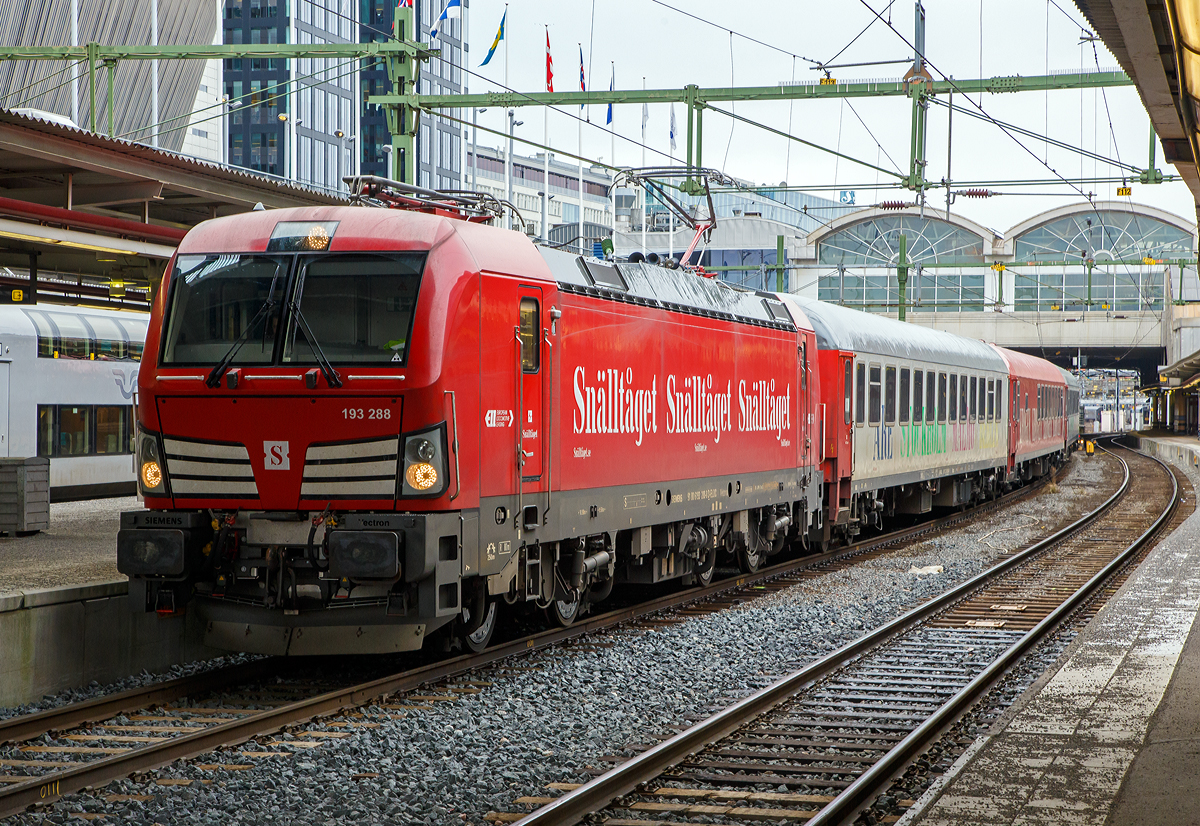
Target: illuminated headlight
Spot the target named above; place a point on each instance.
(425, 463)
(421, 476)
(152, 476)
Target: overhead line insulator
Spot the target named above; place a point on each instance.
(893, 205)
(976, 193)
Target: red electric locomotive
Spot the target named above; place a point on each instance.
(360, 426)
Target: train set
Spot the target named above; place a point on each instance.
(359, 428)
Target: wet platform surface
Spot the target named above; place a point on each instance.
(79, 547)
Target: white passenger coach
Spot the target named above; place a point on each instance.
(67, 381)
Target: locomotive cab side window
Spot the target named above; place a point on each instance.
(905, 395)
(889, 395)
(860, 395)
(530, 352)
(874, 400)
(918, 397)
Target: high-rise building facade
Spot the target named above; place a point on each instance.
(308, 120)
(439, 141)
(294, 118)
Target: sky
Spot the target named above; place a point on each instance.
(649, 41)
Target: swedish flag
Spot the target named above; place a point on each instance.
(496, 42)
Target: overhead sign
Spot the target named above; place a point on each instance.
(846, 196)
(1124, 191)
(17, 295)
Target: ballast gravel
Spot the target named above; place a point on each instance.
(557, 713)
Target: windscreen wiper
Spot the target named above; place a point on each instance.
(332, 378)
(214, 376)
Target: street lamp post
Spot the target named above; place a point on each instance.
(475, 113)
(508, 164)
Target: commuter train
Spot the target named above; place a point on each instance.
(67, 381)
(363, 427)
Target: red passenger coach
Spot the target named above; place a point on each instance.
(360, 426)
(1037, 415)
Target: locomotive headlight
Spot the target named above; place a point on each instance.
(151, 473)
(424, 457)
(421, 476)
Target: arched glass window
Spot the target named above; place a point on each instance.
(865, 256)
(875, 242)
(1102, 239)
(1103, 235)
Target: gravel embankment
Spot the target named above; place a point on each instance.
(453, 763)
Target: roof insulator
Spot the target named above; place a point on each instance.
(976, 193)
(893, 205)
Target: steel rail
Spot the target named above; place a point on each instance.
(28, 726)
(628, 776)
(48, 787)
(859, 794)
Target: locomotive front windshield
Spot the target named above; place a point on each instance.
(350, 308)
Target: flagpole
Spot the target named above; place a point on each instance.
(546, 147)
(644, 194)
(509, 113)
(612, 136)
(579, 122)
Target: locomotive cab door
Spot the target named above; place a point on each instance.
(513, 462)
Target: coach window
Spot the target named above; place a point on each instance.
(972, 397)
(982, 399)
(74, 430)
(930, 397)
(873, 400)
(918, 396)
(941, 398)
(45, 430)
(848, 389)
(962, 399)
(905, 395)
(953, 397)
(1015, 395)
(112, 429)
(991, 400)
(860, 395)
(803, 364)
(889, 395)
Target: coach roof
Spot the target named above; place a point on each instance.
(839, 328)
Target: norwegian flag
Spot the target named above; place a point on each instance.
(549, 65)
(582, 81)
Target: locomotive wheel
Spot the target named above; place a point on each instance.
(749, 561)
(564, 612)
(481, 637)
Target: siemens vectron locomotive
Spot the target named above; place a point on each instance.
(360, 427)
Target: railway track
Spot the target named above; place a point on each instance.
(829, 739)
(91, 743)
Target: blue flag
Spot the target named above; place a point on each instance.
(496, 42)
(611, 85)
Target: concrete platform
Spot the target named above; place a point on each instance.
(1112, 735)
(64, 609)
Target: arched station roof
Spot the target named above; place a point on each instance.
(1103, 230)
